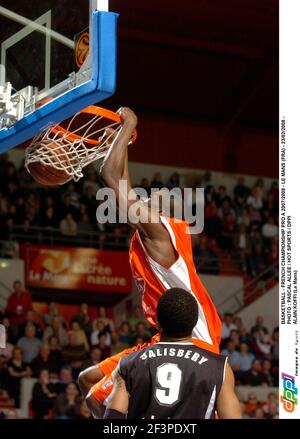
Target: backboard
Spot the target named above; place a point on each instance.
(56, 57)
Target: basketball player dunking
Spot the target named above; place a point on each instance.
(160, 257)
(173, 379)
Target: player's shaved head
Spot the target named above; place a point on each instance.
(177, 313)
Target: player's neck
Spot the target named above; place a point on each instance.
(176, 340)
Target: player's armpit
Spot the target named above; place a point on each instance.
(118, 399)
(228, 405)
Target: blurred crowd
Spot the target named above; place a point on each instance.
(54, 351)
(243, 224)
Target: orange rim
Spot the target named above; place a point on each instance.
(95, 111)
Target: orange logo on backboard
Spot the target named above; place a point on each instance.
(82, 49)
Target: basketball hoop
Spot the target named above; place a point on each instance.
(64, 150)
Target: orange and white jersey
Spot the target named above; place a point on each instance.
(152, 279)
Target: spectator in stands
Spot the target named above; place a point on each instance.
(246, 360)
(42, 361)
(102, 240)
(275, 352)
(252, 404)
(56, 329)
(239, 207)
(267, 372)
(49, 219)
(254, 376)
(104, 348)
(237, 321)
(146, 186)
(90, 182)
(243, 410)
(99, 331)
(259, 414)
(270, 229)
(74, 353)
(244, 218)
(53, 311)
(242, 246)
(65, 378)
(222, 199)
(138, 341)
(94, 358)
(84, 319)
(255, 237)
(43, 396)
(29, 344)
(259, 326)
(80, 334)
(3, 372)
(55, 356)
(273, 258)
(235, 338)
(227, 325)
(255, 199)
(75, 197)
(125, 334)
(206, 259)
(257, 261)
(241, 190)
(90, 201)
(254, 215)
(212, 222)
(18, 304)
(31, 320)
(233, 356)
(270, 408)
(7, 351)
(137, 317)
(244, 336)
(262, 344)
(85, 227)
(174, 181)
(68, 227)
(67, 208)
(17, 370)
(108, 323)
(142, 332)
(157, 182)
(116, 344)
(20, 210)
(11, 414)
(67, 404)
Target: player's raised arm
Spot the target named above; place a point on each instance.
(228, 406)
(117, 406)
(115, 168)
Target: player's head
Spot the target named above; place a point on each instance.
(177, 313)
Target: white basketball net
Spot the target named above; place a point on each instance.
(58, 149)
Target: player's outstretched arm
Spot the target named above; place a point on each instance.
(117, 406)
(115, 168)
(228, 406)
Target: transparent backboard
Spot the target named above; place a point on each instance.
(48, 48)
(38, 40)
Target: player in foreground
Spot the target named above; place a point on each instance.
(173, 379)
(160, 256)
